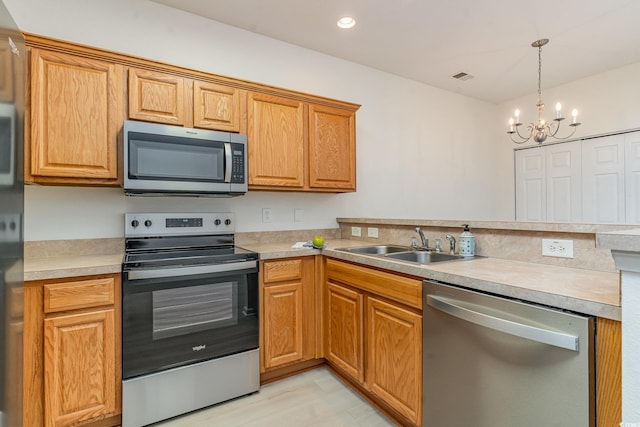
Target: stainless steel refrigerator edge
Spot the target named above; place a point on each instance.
(494, 362)
(12, 58)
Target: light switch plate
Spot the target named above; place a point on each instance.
(355, 231)
(372, 232)
(557, 248)
(298, 214)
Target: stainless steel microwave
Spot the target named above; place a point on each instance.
(172, 160)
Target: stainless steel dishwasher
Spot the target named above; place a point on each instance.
(495, 362)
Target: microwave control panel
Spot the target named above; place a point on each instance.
(237, 163)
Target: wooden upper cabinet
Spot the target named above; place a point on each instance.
(216, 107)
(276, 141)
(295, 145)
(158, 97)
(6, 74)
(332, 148)
(75, 115)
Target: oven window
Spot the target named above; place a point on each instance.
(178, 161)
(182, 311)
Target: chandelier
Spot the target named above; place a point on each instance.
(542, 129)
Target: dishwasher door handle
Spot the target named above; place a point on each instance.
(557, 339)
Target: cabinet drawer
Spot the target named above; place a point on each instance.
(277, 271)
(396, 287)
(78, 294)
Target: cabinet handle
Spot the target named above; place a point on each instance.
(545, 336)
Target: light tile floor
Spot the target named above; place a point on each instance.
(315, 398)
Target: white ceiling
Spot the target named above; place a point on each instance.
(429, 41)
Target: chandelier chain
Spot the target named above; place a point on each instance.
(539, 74)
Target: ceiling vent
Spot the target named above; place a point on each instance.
(462, 76)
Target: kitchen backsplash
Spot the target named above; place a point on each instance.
(507, 240)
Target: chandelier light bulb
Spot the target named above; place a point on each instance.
(574, 113)
(558, 110)
(517, 113)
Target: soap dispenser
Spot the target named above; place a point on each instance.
(466, 244)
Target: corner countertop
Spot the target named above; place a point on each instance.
(586, 291)
(621, 240)
(57, 267)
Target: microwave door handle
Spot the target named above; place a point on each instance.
(228, 164)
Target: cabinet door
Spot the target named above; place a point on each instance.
(632, 177)
(603, 180)
(216, 107)
(276, 141)
(75, 117)
(564, 182)
(79, 367)
(343, 333)
(531, 190)
(394, 357)
(158, 97)
(6, 75)
(332, 148)
(282, 324)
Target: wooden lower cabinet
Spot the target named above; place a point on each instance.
(373, 335)
(608, 372)
(394, 356)
(72, 352)
(288, 333)
(344, 338)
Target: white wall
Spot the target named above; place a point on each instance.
(606, 102)
(421, 152)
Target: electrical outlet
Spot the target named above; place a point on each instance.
(372, 232)
(298, 214)
(266, 214)
(557, 248)
(355, 231)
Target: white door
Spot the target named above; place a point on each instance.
(632, 177)
(564, 182)
(603, 184)
(531, 198)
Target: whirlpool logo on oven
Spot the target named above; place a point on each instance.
(199, 347)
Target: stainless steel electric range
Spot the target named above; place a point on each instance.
(189, 315)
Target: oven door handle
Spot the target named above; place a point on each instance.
(187, 271)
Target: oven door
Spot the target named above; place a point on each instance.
(178, 316)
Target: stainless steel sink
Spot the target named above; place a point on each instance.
(403, 253)
(377, 249)
(423, 257)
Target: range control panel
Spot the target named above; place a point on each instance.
(178, 224)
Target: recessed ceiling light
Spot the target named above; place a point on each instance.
(346, 22)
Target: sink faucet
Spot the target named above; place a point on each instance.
(425, 241)
(452, 244)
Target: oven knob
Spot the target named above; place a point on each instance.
(217, 222)
(135, 223)
(148, 223)
(227, 222)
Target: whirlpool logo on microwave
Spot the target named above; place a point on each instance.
(199, 347)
